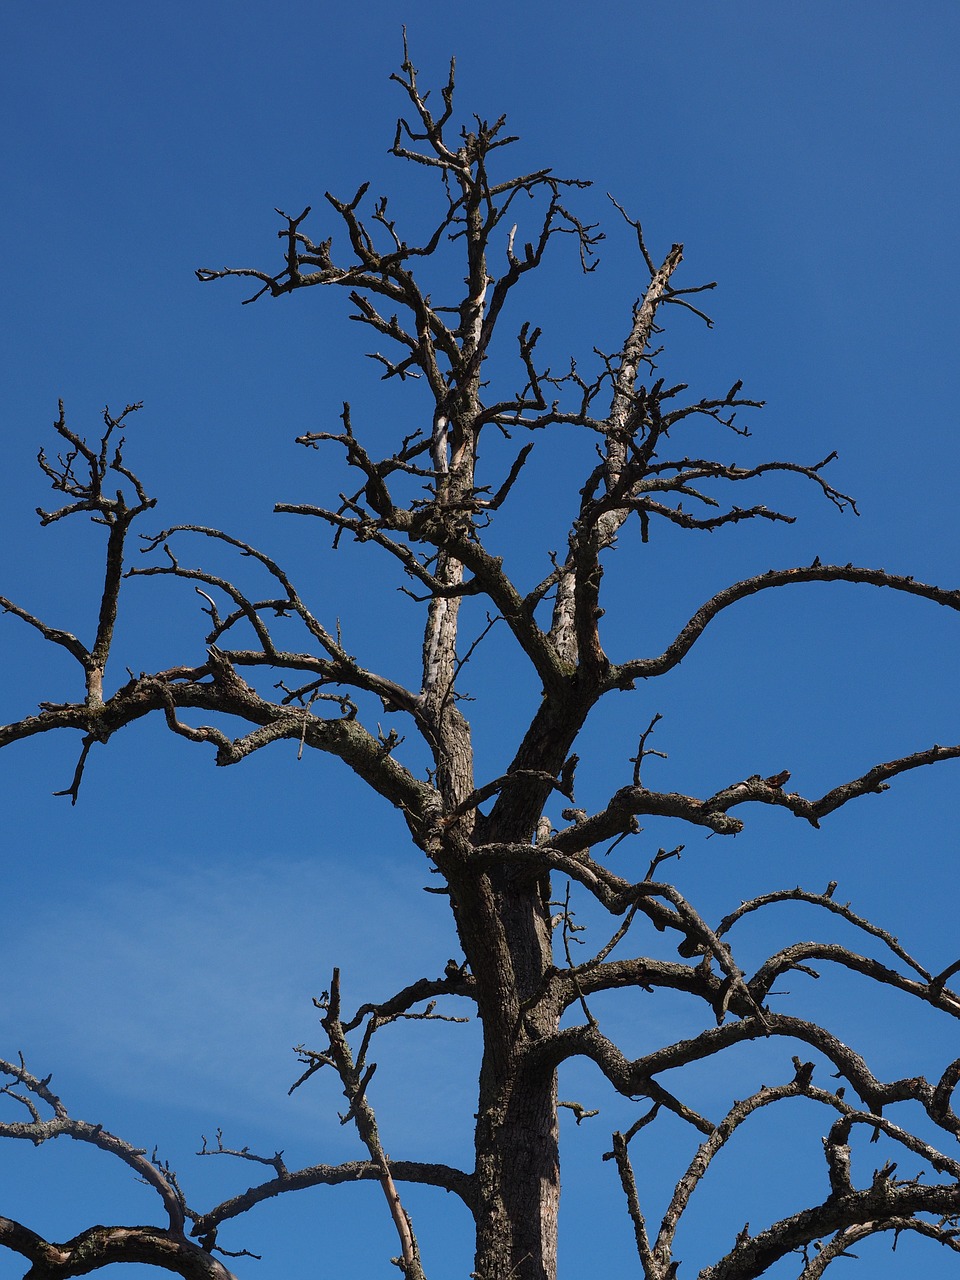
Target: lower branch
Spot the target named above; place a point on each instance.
(839, 1246)
(851, 1213)
(633, 1078)
(881, 1202)
(326, 1175)
(102, 1246)
(30, 1091)
(629, 802)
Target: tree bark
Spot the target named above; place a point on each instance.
(518, 1174)
(504, 923)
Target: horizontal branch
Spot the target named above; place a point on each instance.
(442, 1176)
(828, 903)
(647, 507)
(801, 952)
(659, 475)
(455, 982)
(631, 1078)
(647, 974)
(753, 1255)
(839, 1247)
(630, 802)
(102, 1246)
(622, 676)
(228, 694)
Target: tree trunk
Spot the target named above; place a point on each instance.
(505, 930)
(518, 1176)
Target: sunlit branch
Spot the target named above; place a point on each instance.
(31, 1092)
(102, 1246)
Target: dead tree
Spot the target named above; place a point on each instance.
(496, 854)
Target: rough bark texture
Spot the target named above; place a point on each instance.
(426, 506)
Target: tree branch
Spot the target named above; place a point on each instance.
(624, 674)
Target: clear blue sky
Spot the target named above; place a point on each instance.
(161, 941)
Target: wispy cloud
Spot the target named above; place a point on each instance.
(191, 983)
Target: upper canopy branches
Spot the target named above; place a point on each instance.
(427, 502)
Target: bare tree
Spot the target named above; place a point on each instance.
(496, 854)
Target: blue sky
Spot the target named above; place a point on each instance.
(162, 940)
